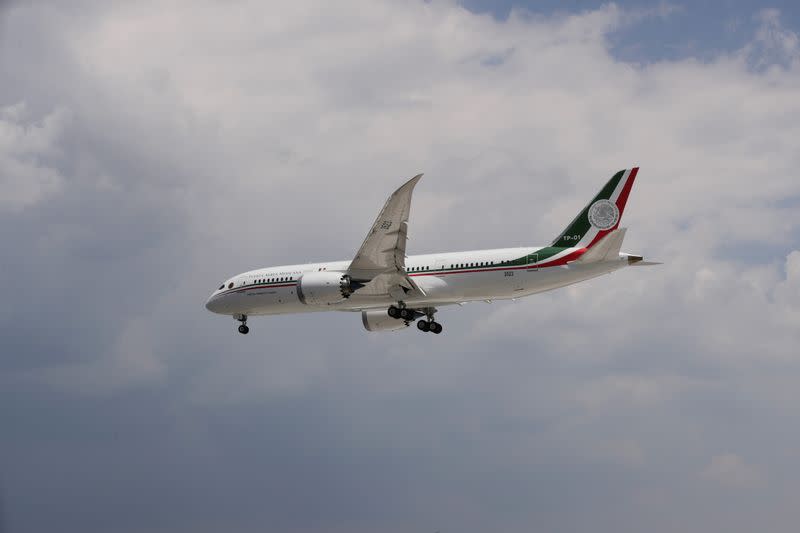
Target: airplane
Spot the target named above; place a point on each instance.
(392, 290)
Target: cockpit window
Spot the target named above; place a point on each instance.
(230, 285)
(221, 287)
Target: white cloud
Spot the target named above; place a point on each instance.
(773, 42)
(27, 174)
(328, 111)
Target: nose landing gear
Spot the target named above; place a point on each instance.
(243, 329)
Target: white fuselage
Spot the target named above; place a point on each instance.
(445, 278)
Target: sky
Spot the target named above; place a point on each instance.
(150, 150)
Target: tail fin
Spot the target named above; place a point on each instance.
(602, 215)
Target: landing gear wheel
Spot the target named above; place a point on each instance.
(394, 312)
(423, 325)
(435, 327)
(406, 313)
(243, 329)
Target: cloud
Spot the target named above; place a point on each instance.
(26, 149)
(730, 470)
(150, 150)
(773, 43)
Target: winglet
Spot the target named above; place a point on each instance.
(409, 184)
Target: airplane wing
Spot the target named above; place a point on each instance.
(380, 262)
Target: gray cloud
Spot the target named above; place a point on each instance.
(147, 151)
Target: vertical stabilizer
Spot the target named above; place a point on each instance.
(602, 215)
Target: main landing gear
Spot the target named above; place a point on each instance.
(429, 325)
(410, 315)
(243, 329)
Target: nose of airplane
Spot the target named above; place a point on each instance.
(214, 304)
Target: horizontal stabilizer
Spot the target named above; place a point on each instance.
(607, 248)
(638, 260)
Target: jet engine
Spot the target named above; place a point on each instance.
(379, 320)
(325, 288)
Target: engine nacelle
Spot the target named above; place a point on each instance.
(325, 288)
(379, 320)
